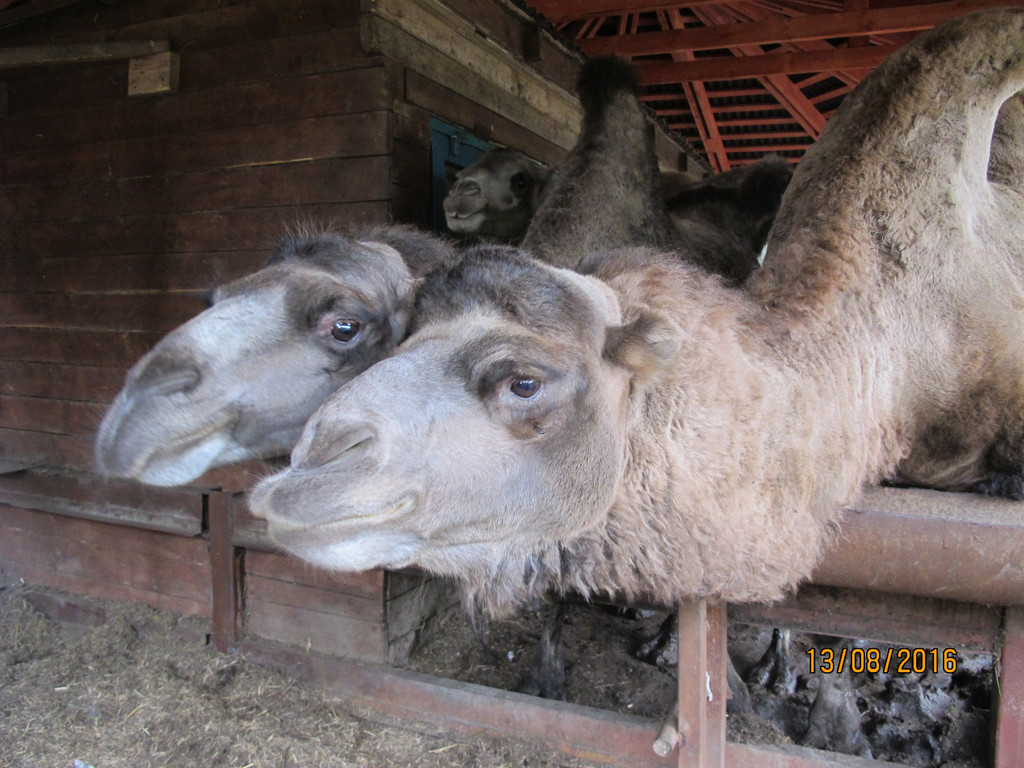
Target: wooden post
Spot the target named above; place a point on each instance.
(1010, 698)
(702, 684)
(225, 573)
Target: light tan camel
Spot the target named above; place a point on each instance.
(647, 432)
(239, 380)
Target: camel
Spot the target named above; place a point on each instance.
(239, 380)
(640, 429)
(494, 198)
(611, 193)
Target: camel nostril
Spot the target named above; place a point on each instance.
(329, 446)
(163, 382)
(467, 188)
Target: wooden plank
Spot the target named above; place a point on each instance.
(288, 141)
(1010, 711)
(912, 541)
(258, 61)
(32, 56)
(200, 232)
(113, 348)
(702, 684)
(42, 449)
(819, 26)
(766, 756)
(414, 614)
(227, 574)
(171, 510)
(132, 272)
(880, 617)
(563, 10)
(59, 417)
(93, 587)
(202, 24)
(732, 68)
(586, 733)
(61, 382)
(279, 99)
(76, 537)
(438, 46)
(522, 35)
(148, 311)
(73, 554)
(152, 75)
(367, 584)
(324, 181)
(462, 111)
(293, 624)
(315, 599)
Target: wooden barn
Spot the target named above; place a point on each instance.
(151, 151)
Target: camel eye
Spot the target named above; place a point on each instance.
(520, 182)
(525, 387)
(345, 330)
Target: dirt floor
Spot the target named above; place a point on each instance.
(140, 689)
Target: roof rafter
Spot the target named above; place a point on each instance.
(732, 68)
(912, 18)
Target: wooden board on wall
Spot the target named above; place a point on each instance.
(444, 47)
(116, 562)
(337, 614)
(171, 510)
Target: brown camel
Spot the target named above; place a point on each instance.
(494, 198)
(610, 193)
(646, 431)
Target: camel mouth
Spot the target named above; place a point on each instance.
(175, 461)
(464, 221)
(385, 513)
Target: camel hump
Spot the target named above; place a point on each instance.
(929, 109)
(983, 50)
(601, 79)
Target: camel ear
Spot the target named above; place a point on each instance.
(542, 191)
(645, 346)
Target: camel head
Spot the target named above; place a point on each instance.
(496, 197)
(239, 380)
(724, 220)
(497, 428)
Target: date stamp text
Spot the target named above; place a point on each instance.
(898, 661)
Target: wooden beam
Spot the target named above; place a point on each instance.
(558, 11)
(38, 55)
(914, 18)
(1010, 709)
(786, 94)
(700, 106)
(29, 10)
(732, 68)
(702, 684)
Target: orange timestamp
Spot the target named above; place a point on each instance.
(898, 661)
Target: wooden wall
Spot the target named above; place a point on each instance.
(119, 213)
